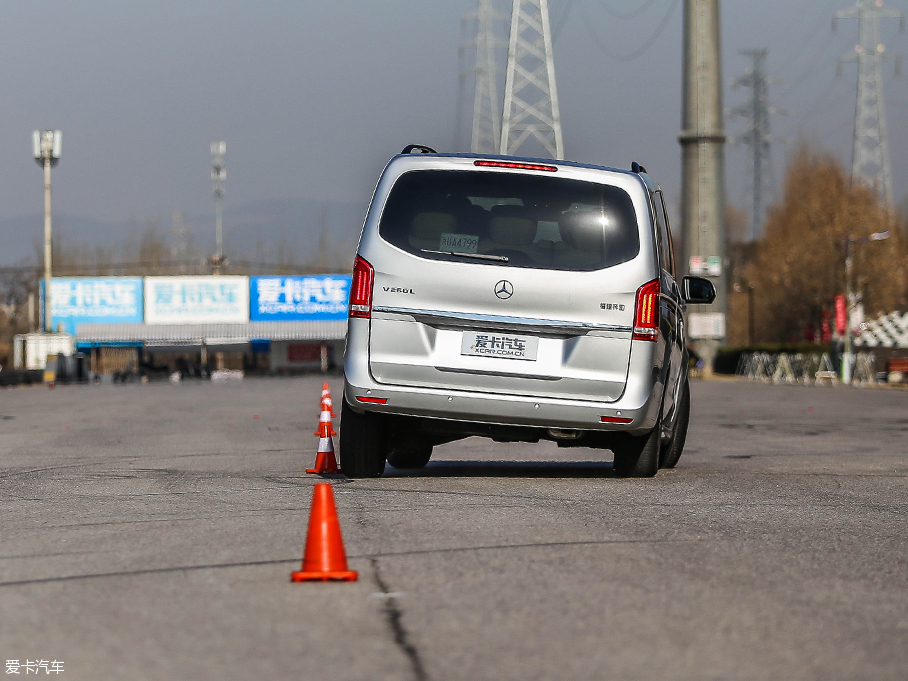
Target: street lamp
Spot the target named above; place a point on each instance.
(46, 146)
(218, 175)
(849, 297)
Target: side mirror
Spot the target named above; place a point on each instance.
(697, 290)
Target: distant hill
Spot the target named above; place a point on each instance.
(266, 231)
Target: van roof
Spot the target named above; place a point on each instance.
(521, 159)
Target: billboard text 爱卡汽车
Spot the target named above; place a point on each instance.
(316, 298)
(196, 299)
(94, 300)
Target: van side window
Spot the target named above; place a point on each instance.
(664, 233)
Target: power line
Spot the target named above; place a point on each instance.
(640, 50)
(626, 15)
(562, 20)
(805, 41)
(814, 64)
(821, 102)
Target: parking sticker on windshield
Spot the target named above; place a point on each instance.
(459, 243)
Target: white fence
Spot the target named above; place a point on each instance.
(803, 369)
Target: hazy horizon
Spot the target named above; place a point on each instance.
(314, 98)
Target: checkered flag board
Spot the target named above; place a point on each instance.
(888, 331)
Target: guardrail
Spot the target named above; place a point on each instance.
(803, 369)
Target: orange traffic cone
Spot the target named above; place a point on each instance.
(324, 558)
(325, 427)
(326, 399)
(324, 459)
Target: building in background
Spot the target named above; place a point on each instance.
(159, 324)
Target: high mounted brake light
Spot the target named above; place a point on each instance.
(646, 312)
(361, 289)
(517, 166)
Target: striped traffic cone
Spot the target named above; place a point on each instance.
(325, 461)
(326, 399)
(325, 427)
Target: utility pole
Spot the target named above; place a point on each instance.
(870, 155)
(530, 97)
(702, 141)
(179, 250)
(486, 134)
(218, 175)
(46, 148)
(851, 298)
(758, 136)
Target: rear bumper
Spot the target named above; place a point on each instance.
(640, 401)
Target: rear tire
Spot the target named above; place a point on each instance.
(638, 456)
(362, 444)
(672, 451)
(410, 457)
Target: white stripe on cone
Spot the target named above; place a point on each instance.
(325, 426)
(324, 464)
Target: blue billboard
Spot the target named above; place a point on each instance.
(87, 300)
(197, 299)
(307, 298)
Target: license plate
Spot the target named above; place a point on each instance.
(500, 345)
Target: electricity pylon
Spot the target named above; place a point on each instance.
(758, 136)
(870, 155)
(530, 96)
(486, 135)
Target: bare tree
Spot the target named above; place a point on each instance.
(799, 264)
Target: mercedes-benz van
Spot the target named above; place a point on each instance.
(516, 299)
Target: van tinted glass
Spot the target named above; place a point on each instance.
(511, 219)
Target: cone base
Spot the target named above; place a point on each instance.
(325, 576)
(314, 471)
(325, 461)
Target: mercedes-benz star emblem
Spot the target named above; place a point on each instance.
(504, 289)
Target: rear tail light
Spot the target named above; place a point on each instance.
(646, 312)
(361, 289)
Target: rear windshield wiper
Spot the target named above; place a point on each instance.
(477, 256)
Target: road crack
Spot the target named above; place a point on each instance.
(394, 616)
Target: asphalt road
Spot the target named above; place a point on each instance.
(148, 532)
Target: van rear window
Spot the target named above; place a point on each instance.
(511, 219)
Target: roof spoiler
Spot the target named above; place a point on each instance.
(422, 148)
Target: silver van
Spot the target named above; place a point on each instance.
(516, 299)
